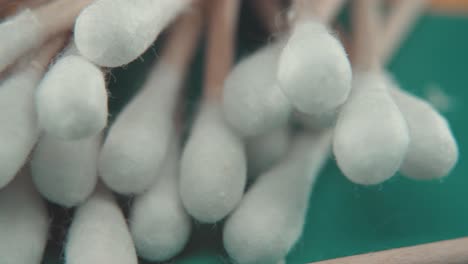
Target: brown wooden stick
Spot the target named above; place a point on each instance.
(44, 55)
(444, 252)
(10, 7)
(182, 40)
(398, 24)
(366, 26)
(59, 15)
(220, 46)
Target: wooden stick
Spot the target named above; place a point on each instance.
(59, 15)
(182, 39)
(444, 252)
(366, 26)
(9, 7)
(220, 45)
(398, 24)
(44, 55)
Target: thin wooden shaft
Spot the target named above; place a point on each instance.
(444, 252)
(366, 26)
(47, 52)
(10, 7)
(182, 40)
(220, 46)
(397, 25)
(59, 15)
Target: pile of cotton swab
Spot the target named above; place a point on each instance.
(264, 127)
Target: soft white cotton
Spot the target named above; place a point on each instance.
(65, 172)
(158, 222)
(317, 122)
(112, 33)
(18, 35)
(71, 100)
(270, 218)
(24, 222)
(137, 141)
(265, 150)
(19, 130)
(313, 69)
(371, 137)
(99, 233)
(433, 151)
(213, 167)
(253, 103)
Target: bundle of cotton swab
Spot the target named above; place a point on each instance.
(243, 123)
(137, 142)
(213, 165)
(31, 28)
(18, 117)
(71, 100)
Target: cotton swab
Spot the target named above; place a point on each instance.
(24, 222)
(213, 164)
(99, 233)
(112, 33)
(65, 172)
(31, 28)
(432, 152)
(270, 218)
(138, 140)
(371, 137)
(253, 103)
(313, 69)
(18, 117)
(71, 100)
(265, 150)
(158, 221)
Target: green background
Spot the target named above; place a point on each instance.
(346, 219)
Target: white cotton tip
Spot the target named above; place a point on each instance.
(371, 137)
(19, 130)
(65, 172)
(270, 218)
(19, 34)
(158, 222)
(24, 222)
(265, 150)
(213, 167)
(313, 69)
(253, 103)
(99, 233)
(433, 151)
(137, 141)
(112, 33)
(71, 100)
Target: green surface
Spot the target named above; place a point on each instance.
(346, 219)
